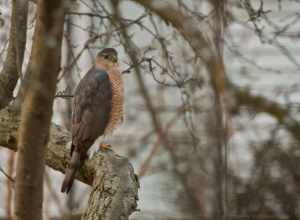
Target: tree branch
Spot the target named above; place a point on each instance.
(115, 186)
(184, 24)
(261, 104)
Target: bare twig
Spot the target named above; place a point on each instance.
(7, 175)
(9, 184)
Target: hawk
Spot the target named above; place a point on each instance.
(97, 109)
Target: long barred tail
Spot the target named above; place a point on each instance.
(75, 164)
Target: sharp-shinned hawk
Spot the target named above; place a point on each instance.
(97, 109)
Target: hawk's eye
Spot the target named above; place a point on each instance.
(106, 57)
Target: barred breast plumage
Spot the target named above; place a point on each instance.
(116, 114)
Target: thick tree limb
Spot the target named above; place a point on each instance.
(115, 186)
(261, 104)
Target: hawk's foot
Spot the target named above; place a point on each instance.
(104, 146)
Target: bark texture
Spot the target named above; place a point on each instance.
(115, 186)
(37, 109)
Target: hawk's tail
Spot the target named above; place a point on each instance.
(70, 172)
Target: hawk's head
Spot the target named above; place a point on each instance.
(107, 58)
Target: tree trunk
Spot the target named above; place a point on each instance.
(37, 109)
(12, 66)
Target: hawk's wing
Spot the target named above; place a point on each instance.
(91, 109)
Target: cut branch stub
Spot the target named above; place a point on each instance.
(115, 188)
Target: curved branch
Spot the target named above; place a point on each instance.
(261, 104)
(184, 24)
(115, 186)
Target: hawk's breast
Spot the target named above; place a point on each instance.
(116, 114)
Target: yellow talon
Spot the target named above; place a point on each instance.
(104, 147)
